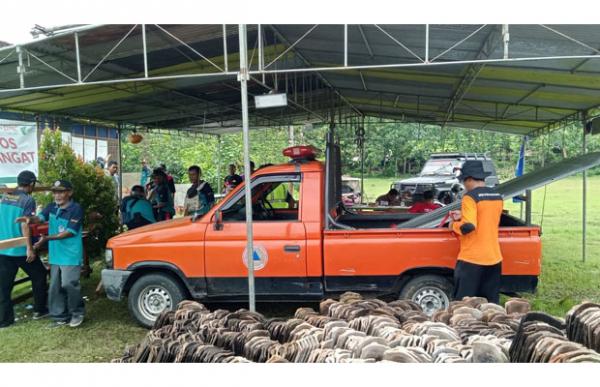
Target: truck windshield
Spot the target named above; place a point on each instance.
(443, 167)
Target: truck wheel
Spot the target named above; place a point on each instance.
(431, 292)
(151, 294)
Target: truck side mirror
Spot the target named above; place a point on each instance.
(218, 224)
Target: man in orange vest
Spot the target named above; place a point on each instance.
(478, 270)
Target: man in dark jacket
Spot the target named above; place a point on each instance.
(161, 197)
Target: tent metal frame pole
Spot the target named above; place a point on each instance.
(127, 80)
(261, 52)
(145, 50)
(225, 53)
(426, 43)
(20, 69)
(77, 56)
(119, 133)
(423, 64)
(528, 206)
(584, 203)
(243, 78)
(345, 45)
(220, 185)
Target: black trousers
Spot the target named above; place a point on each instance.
(471, 280)
(8, 271)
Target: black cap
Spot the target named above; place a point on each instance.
(62, 185)
(26, 178)
(473, 169)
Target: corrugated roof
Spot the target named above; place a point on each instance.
(387, 75)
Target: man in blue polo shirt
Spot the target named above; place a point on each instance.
(65, 254)
(13, 205)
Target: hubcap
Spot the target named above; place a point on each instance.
(431, 299)
(153, 300)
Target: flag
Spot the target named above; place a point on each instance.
(520, 166)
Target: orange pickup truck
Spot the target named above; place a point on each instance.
(307, 246)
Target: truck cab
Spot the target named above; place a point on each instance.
(307, 246)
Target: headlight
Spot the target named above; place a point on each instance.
(108, 258)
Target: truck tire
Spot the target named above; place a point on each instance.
(151, 294)
(432, 292)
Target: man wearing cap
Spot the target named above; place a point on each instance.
(479, 267)
(65, 254)
(12, 206)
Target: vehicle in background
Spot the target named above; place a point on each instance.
(351, 190)
(439, 174)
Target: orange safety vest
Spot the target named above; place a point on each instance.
(481, 209)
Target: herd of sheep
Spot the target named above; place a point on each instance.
(355, 329)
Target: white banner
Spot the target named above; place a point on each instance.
(18, 149)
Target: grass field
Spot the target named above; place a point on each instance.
(565, 281)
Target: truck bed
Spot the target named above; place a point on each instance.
(389, 220)
(369, 259)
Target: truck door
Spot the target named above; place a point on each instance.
(279, 241)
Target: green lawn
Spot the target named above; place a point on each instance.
(375, 187)
(565, 281)
(103, 336)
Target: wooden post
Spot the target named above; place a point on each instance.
(13, 242)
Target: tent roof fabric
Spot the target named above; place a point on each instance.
(471, 76)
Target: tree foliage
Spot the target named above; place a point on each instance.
(390, 149)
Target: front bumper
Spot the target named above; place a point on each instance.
(114, 282)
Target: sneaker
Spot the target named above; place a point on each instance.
(76, 321)
(39, 315)
(57, 324)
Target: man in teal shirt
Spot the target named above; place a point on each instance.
(65, 254)
(136, 211)
(13, 205)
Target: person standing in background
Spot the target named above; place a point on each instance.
(232, 180)
(200, 196)
(112, 172)
(161, 197)
(146, 173)
(170, 180)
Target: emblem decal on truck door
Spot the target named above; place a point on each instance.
(260, 257)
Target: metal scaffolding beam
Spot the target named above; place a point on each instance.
(471, 73)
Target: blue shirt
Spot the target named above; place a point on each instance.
(12, 206)
(146, 172)
(132, 205)
(68, 251)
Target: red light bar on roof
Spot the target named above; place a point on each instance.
(301, 152)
